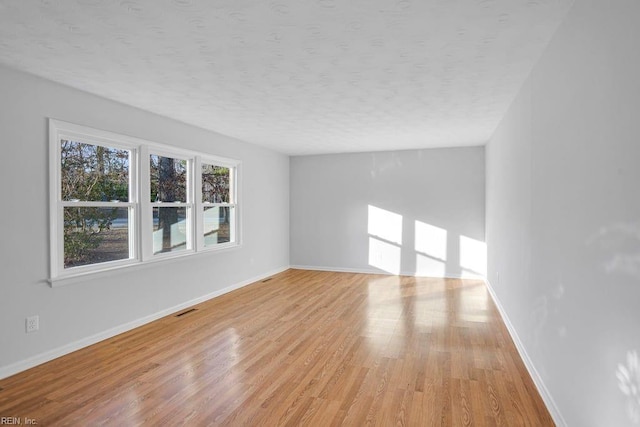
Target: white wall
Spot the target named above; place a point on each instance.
(398, 212)
(563, 212)
(77, 312)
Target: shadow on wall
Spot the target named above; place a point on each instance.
(620, 241)
(618, 248)
(434, 252)
(629, 383)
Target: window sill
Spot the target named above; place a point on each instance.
(82, 276)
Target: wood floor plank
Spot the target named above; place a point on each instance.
(304, 348)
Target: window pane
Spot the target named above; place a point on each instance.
(93, 173)
(168, 179)
(169, 229)
(95, 235)
(215, 184)
(218, 221)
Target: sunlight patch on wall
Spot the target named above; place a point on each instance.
(431, 249)
(427, 266)
(431, 240)
(473, 257)
(384, 255)
(385, 238)
(385, 224)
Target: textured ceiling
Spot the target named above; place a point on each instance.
(298, 76)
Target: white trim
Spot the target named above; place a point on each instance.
(171, 204)
(340, 269)
(56, 245)
(218, 161)
(41, 358)
(83, 204)
(218, 205)
(197, 197)
(145, 215)
(58, 131)
(140, 207)
(382, 273)
(528, 363)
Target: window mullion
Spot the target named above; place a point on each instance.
(145, 214)
(191, 214)
(134, 203)
(86, 204)
(197, 203)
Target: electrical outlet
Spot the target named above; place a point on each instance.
(33, 323)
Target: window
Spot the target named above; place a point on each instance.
(95, 202)
(170, 202)
(100, 221)
(218, 204)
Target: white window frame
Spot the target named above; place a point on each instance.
(147, 245)
(140, 205)
(233, 202)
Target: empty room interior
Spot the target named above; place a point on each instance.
(381, 212)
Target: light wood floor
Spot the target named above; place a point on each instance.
(303, 348)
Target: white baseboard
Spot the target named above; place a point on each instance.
(41, 358)
(528, 363)
(338, 269)
(383, 273)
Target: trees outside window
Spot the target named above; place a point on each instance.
(94, 185)
(170, 200)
